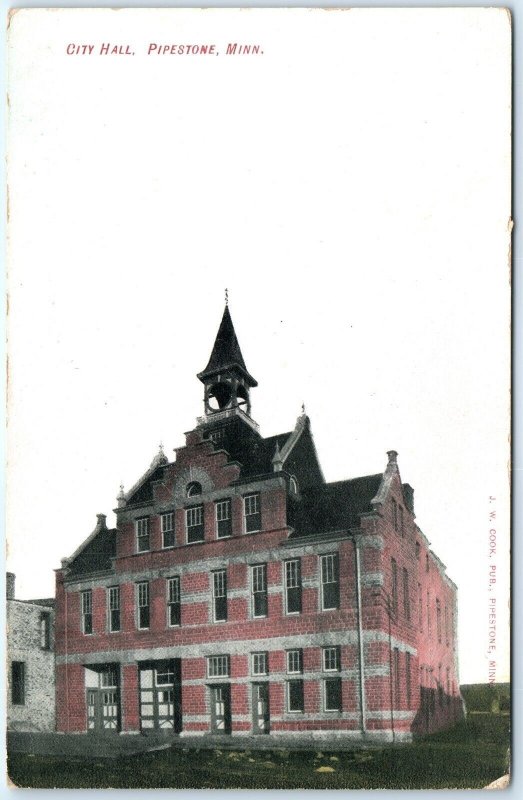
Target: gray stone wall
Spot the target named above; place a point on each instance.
(24, 644)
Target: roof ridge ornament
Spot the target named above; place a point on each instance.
(226, 296)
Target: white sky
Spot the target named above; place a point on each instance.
(350, 187)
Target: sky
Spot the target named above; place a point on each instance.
(350, 186)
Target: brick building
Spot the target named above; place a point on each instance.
(240, 593)
(30, 662)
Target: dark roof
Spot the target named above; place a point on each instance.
(48, 602)
(144, 493)
(335, 506)
(226, 353)
(96, 555)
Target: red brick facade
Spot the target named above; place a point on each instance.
(285, 620)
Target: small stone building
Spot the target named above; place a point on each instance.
(240, 593)
(30, 662)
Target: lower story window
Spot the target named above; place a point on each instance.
(18, 683)
(295, 695)
(332, 688)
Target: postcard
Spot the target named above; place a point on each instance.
(259, 398)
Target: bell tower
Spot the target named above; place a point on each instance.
(225, 378)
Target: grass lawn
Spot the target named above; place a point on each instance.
(471, 755)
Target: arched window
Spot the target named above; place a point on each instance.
(194, 489)
(293, 484)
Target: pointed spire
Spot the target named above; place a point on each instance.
(277, 462)
(226, 353)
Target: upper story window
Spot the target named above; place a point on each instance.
(446, 625)
(259, 590)
(394, 586)
(293, 485)
(294, 661)
(394, 514)
(18, 683)
(406, 594)
(420, 607)
(219, 594)
(114, 608)
(142, 534)
(427, 563)
(331, 659)
(418, 548)
(218, 666)
(142, 603)
(194, 524)
(252, 514)
(259, 663)
(173, 601)
(293, 586)
(216, 436)
(167, 523)
(223, 518)
(438, 619)
(87, 611)
(401, 520)
(45, 630)
(194, 489)
(330, 582)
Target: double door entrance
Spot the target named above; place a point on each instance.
(160, 695)
(102, 684)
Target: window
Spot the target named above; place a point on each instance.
(448, 685)
(295, 700)
(165, 674)
(407, 678)
(219, 594)
(440, 686)
(417, 550)
(331, 659)
(446, 625)
(427, 563)
(428, 613)
(45, 630)
(294, 661)
(142, 534)
(394, 514)
(420, 607)
(223, 519)
(397, 676)
(109, 677)
(293, 586)
(194, 489)
(332, 694)
(330, 584)
(194, 523)
(394, 592)
(18, 683)
(114, 608)
(218, 435)
(260, 664)
(142, 598)
(406, 596)
(438, 619)
(293, 485)
(173, 601)
(218, 666)
(259, 590)
(251, 508)
(167, 529)
(402, 529)
(87, 611)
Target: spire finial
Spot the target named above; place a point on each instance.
(303, 408)
(226, 297)
(160, 448)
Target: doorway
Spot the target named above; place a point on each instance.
(220, 708)
(260, 708)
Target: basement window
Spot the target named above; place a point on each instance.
(18, 683)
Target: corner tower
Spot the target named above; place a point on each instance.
(226, 379)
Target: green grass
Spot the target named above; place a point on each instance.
(471, 755)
